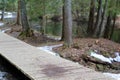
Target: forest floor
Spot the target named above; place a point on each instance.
(37, 40)
(83, 51)
(93, 53)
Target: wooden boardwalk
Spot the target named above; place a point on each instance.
(40, 65)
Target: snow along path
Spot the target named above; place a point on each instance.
(49, 49)
(115, 76)
(3, 31)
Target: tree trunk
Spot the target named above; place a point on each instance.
(114, 19)
(44, 20)
(107, 27)
(91, 18)
(63, 23)
(18, 14)
(102, 24)
(26, 31)
(43, 25)
(98, 19)
(68, 23)
(3, 10)
(113, 27)
(79, 30)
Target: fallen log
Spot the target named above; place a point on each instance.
(114, 65)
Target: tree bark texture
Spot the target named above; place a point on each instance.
(107, 27)
(26, 32)
(18, 14)
(63, 23)
(98, 19)
(102, 24)
(91, 18)
(68, 23)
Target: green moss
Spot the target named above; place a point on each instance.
(25, 34)
(100, 67)
(106, 54)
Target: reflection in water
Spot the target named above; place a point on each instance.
(54, 28)
(6, 76)
(51, 28)
(2, 75)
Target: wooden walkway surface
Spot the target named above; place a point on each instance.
(40, 65)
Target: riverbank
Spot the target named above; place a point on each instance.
(37, 40)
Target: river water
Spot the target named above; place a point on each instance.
(5, 74)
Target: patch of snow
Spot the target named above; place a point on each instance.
(105, 59)
(101, 57)
(117, 58)
(111, 59)
(115, 76)
(49, 49)
(53, 37)
(3, 31)
(55, 46)
(1, 24)
(42, 48)
(46, 48)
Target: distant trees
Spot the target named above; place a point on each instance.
(102, 22)
(63, 22)
(99, 22)
(91, 18)
(98, 18)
